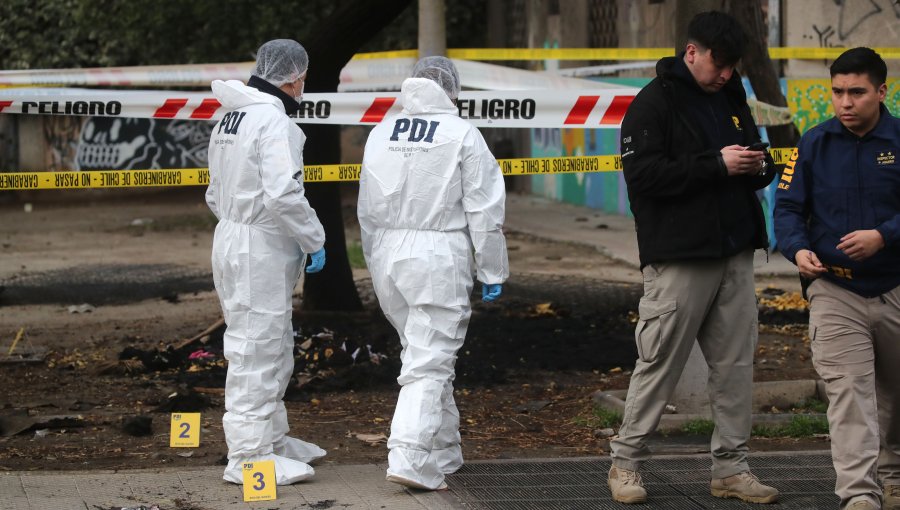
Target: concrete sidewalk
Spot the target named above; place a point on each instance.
(612, 235)
(673, 482)
(352, 486)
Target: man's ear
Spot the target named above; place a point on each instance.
(690, 51)
(882, 92)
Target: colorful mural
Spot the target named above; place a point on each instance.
(808, 99)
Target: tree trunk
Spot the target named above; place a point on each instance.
(330, 48)
(758, 68)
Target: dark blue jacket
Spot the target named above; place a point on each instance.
(837, 183)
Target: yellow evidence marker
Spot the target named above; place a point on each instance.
(259, 480)
(185, 430)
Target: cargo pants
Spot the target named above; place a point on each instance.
(856, 351)
(714, 302)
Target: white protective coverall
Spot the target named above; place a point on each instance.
(265, 227)
(431, 194)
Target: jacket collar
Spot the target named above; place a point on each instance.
(881, 130)
(291, 106)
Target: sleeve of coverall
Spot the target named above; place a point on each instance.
(211, 195)
(484, 200)
(283, 194)
(647, 168)
(366, 227)
(791, 206)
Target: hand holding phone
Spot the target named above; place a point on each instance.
(758, 146)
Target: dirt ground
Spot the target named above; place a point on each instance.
(93, 390)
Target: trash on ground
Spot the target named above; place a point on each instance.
(19, 422)
(82, 308)
(201, 354)
(372, 439)
(184, 401)
(138, 426)
(541, 310)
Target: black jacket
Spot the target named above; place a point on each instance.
(676, 181)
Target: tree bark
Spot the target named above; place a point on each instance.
(330, 47)
(758, 67)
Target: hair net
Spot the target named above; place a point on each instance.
(281, 61)
(441, 71)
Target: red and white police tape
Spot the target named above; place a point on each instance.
(600, 108)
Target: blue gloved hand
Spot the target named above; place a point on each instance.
(491, 291)
(316, 261)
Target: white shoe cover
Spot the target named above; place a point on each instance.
(406, 482)
(414, 467)
(298, 450)
(287, 471)
(448, 460)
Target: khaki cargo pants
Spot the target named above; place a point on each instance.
(856, 350)
(713, 301)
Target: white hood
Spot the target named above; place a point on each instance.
(233, 94)
(421, 95)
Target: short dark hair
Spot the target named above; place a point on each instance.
(861, 61)
(719, 33)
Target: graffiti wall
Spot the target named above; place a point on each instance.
(839, 24)
(604, 190)
(810, 103)
(100, 143)
(810, 100)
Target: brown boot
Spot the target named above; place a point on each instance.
(626, 486)
(744, 486)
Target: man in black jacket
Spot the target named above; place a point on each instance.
(691, 183)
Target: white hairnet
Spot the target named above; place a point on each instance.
(441, 71)
(281, 61)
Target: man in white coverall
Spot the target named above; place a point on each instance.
(265, 228)
(431, 207)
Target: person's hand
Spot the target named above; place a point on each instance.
(809, 265)
(861, 244)
(739, 161)
(316, 261)
(491, 291)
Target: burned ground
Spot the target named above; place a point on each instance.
(98, 390)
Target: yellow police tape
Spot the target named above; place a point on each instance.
(95, 179)
(777, 53)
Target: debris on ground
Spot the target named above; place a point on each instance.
(19, 421)
(370, 439)
(82, 308)
(780, 308)
(138, 426)
(184, 401)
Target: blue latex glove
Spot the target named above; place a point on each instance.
(491, 291)
(316, 261)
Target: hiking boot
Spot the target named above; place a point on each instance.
(744, 486)
(862, 504)
(891, 497)
(626, 486)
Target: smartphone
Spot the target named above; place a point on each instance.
(758, 146)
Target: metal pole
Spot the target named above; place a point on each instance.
(432, 28)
